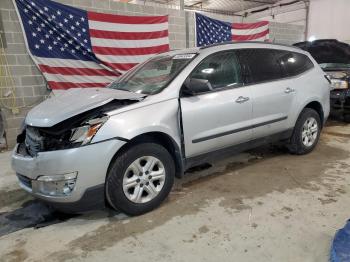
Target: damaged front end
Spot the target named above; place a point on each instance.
(334, 59)
(74, 132)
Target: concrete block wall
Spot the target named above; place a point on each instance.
(29, 85)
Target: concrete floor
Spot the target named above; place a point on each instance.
(265, 205)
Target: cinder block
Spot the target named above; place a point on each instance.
(6, 4)
(8, 37)
(20, 70)
(148, 10)
(117, 6)
(32, 100)
(32, 80)
(24, 60)
(5, 14)
(13, 16)
(18, 38)
(11, 59)
(66, 2)
(11, 143)
(14, 123)
(41, 90)
(83, 3)
(28, 91)
(16, 49)
(11, 133)
(101, 4)
(11, 26)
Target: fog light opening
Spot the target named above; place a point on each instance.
(57, 185)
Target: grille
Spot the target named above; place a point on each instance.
(34, 141)
(25, 180)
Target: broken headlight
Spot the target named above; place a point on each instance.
(84, 133)
(339, 84)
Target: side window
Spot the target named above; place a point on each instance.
(294, 63)
(261, 65)
(220, 69)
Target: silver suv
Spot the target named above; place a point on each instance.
(123, 145)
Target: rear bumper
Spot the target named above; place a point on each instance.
(90, 163)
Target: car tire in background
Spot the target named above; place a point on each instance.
(140, 178)
(306, 132)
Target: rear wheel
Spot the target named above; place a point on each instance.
(306, 132)
(140, 178)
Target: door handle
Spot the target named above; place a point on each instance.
(289, 90)
(242, 99)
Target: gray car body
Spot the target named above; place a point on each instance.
(196, 125)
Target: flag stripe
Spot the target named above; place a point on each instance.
(129, 43)
(250, 37)
(105, 26)
(56, 62)
(249, 25)
(124, 59)
(67, 85)
(249, 31)
(78, 78)
(121, 66)
(76, 71)
(127, 35)
(127, 51)
(122, 19)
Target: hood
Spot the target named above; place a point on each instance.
(72, 102)
(327, 51)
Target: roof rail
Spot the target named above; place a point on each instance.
(245, 42)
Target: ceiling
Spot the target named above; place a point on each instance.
(229, 6)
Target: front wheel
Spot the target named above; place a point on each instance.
(306, 132)
(140, 178)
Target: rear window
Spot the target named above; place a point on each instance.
(294, 64)
(260, 64)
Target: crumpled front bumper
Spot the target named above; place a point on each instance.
(90, 162)
(340, 101)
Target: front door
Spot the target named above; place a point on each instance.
(219, 118)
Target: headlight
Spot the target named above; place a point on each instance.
(87, 131)
(339, 84)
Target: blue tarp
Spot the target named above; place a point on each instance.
(340, 251)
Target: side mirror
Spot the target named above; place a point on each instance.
(195, 86)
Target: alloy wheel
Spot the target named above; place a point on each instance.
(144, 179)
(309, 132)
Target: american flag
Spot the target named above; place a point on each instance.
(211, 31)
(77, 48)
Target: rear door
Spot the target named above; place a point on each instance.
(222, 117)
(272, 93)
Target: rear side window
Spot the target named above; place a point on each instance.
(293, 63)
(260, 65)
(221, 69)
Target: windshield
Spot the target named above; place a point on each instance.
(330, 66)
(154, 75)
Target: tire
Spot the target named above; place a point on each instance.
(130, 186)
(300, 145)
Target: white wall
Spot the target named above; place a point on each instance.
(330, 19)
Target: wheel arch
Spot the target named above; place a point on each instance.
(160, 138)
(317, 106)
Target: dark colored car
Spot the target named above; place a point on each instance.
(334, 58)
